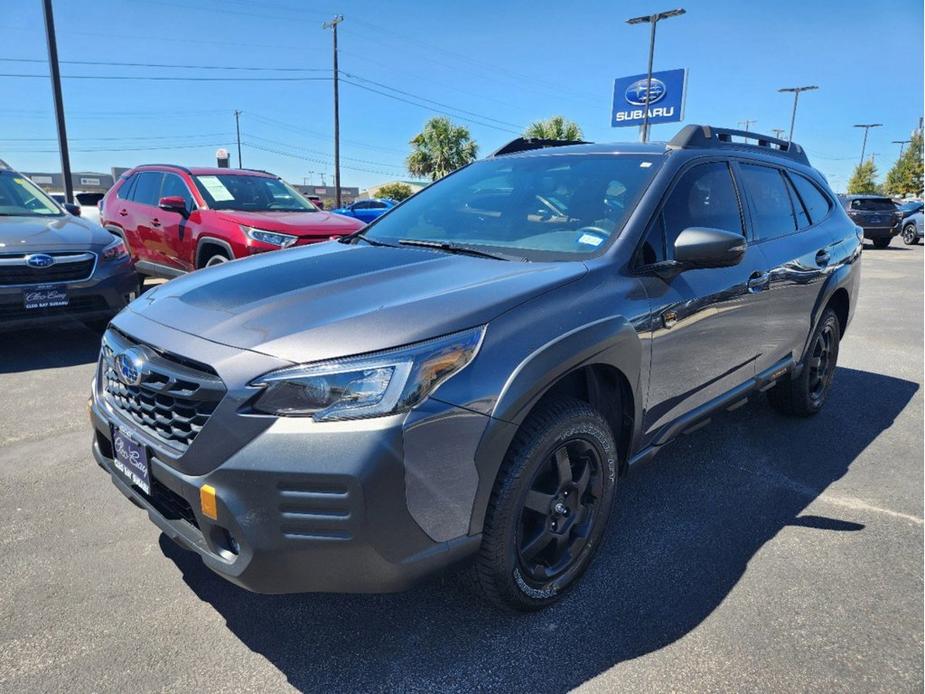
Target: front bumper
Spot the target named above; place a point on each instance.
(363, 506)
(99, 297)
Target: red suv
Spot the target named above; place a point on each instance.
(175, 219)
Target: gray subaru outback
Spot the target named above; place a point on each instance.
(470, 376)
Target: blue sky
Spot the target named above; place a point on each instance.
(498, 64)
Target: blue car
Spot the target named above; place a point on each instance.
(367, 210)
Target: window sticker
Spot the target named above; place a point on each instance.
(216, 188)
(590, 239)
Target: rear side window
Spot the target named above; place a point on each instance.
(148, 187)
(125, 190)
(816, 203)
(704, 196)
(802, 215)
(772, 211)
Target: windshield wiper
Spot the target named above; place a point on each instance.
(451, 248)
(360, 236)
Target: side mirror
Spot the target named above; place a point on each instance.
(72, 208)
(702, 247)
(173, 203)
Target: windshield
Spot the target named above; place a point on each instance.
(548, 207)
(251, 194)
(20, 197)
(873, 204)
(911, 207)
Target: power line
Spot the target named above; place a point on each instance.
(170, 65)
(112, 139)
(318, 135)
(120, 149)
(320, 161)
(171, 78)
(318, 152)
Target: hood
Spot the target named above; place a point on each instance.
(48, 234)
(332, 299)
(297, 223)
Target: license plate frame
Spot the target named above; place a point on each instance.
(130, 458)
(40, 296)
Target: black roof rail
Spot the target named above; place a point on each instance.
(707, 136)
(524, 144)
(167, 166)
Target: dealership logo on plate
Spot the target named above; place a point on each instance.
(636, 93)
(39, 260)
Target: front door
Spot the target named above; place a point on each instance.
(176, 237)
(706, 324)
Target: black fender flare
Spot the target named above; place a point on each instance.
(610, 341)
(840, 278)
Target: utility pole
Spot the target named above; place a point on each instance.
(778, 133)
(746, 124)
(902, 144)
(237, 127)
(652, 19)
(333, 26)
(59, 101)
(867, 127)
(796, 98)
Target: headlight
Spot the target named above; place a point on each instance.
(368, 386)
(115, 250)
(274, 238)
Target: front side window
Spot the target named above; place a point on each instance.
(704, 196)
(537, 207)
(772, 211)
(250, 194)
(174, 186)
(20, 197)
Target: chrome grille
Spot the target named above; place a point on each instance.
(173, 399)
(67, 267)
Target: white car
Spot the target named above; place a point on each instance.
(88, 202)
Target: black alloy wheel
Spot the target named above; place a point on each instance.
(821, 362)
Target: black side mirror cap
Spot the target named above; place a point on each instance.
(703, 247)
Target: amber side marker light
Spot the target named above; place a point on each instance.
(207, 501)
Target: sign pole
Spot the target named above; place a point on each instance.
(645, 116)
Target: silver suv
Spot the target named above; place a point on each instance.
(470, 375)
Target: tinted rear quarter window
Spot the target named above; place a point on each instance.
(816, 203)
(148, 187)
(125, 190)
(772, 211)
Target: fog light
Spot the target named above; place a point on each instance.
(207, 501)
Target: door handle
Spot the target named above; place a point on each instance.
(155, 222)
(757, 281)
(123, 212)
(822, 257)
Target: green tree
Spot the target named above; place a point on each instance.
(440, 149)
(905, 178)
(555, 128)
(396, 191)
(864, 179)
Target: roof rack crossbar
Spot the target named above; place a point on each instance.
(524, 144)
(707, 136)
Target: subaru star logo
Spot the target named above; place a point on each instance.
(636, 92)
(39, 260)
(129, 366)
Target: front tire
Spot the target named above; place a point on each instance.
(805, 395)
(910, 237)
(216, 258)
(549, 507)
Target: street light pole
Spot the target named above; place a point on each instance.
(652, 19)
(778, 132)
(333, 26)
(59, 100)
(796, 98)
(867, 127)
(747, 123)
(902, 144)
(237, 127)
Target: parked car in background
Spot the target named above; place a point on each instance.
(366, 210)
(54, 265)
(912, 227)
(877, 215)
(88, 204)
(176, 219)
(910, 207)
(470, 375)
(316, 201)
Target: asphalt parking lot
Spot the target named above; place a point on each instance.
(758, 554)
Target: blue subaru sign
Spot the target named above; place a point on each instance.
(666, 98)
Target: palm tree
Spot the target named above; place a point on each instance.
(555, 128)
(440, 149)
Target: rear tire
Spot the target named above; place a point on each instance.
(910, 237)
(805, 395)
(882, 243)
(549, 507)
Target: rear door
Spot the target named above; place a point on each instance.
(787, 213)
(177, 239)
(145, 211)
(706, 323)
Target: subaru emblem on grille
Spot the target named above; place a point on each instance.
(129, 366)
(39, 260)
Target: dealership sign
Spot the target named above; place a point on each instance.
(666, 98)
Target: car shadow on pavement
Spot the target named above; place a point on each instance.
(684, 531)
(68, 344)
